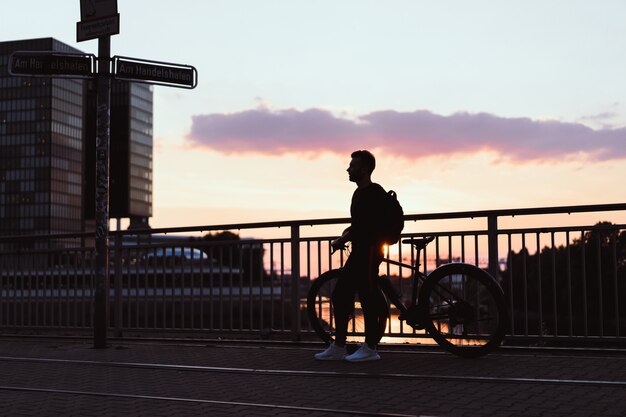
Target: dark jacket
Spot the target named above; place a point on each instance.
(367, 210)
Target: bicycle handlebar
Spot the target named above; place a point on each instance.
(335, 249)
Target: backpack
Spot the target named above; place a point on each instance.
(393, 219)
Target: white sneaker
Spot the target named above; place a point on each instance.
(332, 353)
(365, 353)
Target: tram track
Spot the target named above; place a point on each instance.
(319, 374)
(415, 349)
(204, 401)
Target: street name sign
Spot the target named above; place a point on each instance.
(155, 72)
(98, 18)
(97, 9)
(92, 29)
(52, 64)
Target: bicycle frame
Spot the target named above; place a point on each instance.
(417, 277)
(410, 312)
(387, 287)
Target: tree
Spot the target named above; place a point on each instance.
(571, 289)
(227, 249)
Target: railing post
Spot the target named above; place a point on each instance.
(492, 242)
(295, 282)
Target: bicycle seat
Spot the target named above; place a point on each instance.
(419, 244)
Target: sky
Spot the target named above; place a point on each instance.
(466, 105)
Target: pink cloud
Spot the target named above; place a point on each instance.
(409, 134)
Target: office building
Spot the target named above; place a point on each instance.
(130, 153)
(47, 149)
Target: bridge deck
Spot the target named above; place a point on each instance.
(42, 377)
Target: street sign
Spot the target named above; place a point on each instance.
(97, 28)
(98, 18)
(97, 9)
(52, 64)
(155, 72)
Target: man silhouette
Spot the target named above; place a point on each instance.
(360, 273)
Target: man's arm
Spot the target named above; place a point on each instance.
(341, 241)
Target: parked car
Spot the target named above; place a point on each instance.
(175, 256)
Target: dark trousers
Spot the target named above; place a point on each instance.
(360, 276)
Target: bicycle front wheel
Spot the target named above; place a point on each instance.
(464, 309)
(321, 312)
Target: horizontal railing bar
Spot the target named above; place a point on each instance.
(255, 241)
(519, 212)
(318, 222)
(561, 229)
(74, 235)
(410, 217)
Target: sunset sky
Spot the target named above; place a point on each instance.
(467, 105)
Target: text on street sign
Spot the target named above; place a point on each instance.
(154, 72)
(51, 64)
(92, 29)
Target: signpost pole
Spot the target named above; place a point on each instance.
(100, 20)
(101, 297)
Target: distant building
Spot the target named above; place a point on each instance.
(47, 149)
(130, 152)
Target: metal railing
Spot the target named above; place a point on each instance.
(562, 282)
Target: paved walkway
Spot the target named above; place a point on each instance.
(67, 378)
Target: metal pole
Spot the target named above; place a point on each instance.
(295, 283)
(492, 242)
(117, 298)
(101, 296)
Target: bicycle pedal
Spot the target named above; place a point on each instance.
(411, 318)
(415, 325)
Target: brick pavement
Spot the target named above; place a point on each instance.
(533, 384)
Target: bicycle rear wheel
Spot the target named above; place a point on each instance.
(464, 309)
(321, 312)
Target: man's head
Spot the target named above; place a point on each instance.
(361, 166)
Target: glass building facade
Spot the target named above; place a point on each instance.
(41, 147)
(140, 150)
(130, 153)
(47, 149)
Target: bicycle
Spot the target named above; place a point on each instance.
(459, 305)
